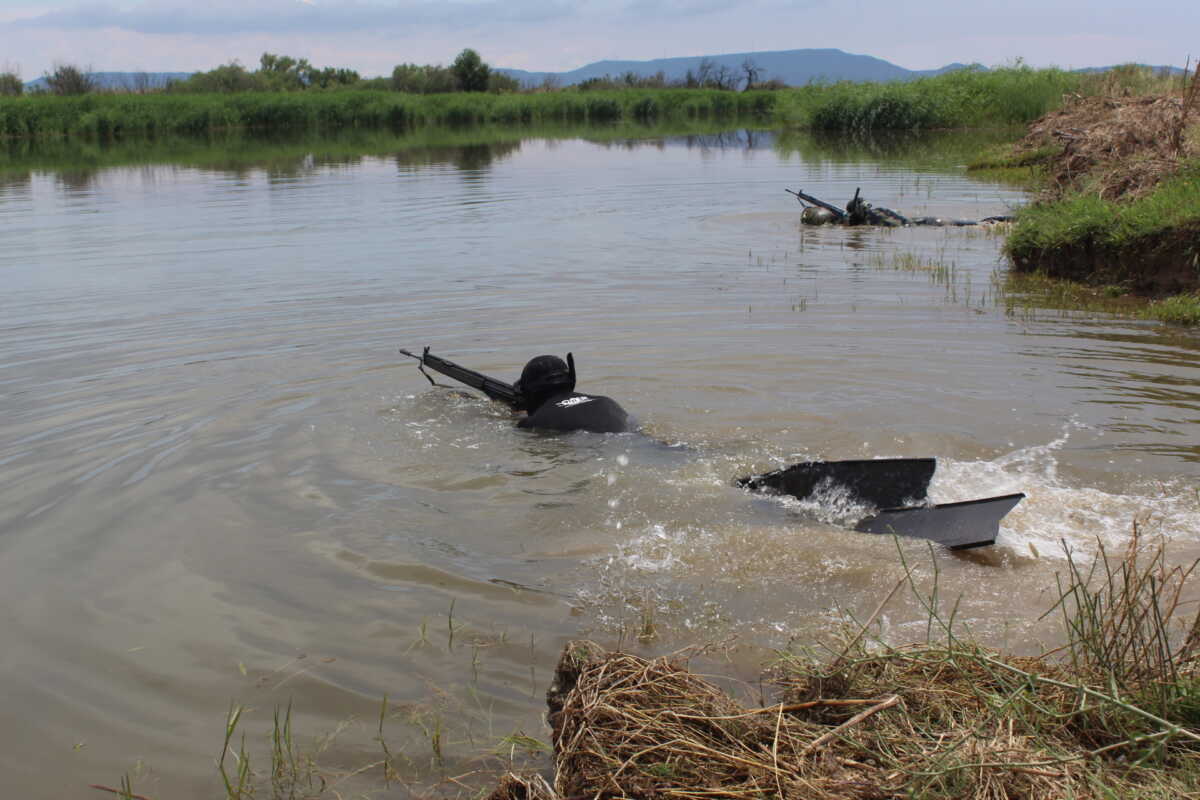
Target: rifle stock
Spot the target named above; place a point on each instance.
(816, 201)
(494, 388)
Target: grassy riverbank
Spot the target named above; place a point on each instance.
(1118, 204)
(964, 98)
(1149, 244)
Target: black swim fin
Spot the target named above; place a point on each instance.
(959, 526)
(881, 483)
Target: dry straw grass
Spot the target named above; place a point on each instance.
(1114, 714)
(1116, 145)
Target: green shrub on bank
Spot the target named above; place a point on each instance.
(11, 85)
(106, 116)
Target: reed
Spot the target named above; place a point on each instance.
(1126, 625)
(967, 98)
(114, 116)
(963, 98)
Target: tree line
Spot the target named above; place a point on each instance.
(281, 73)
(467, 73)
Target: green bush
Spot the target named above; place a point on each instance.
(603, 109)
(11, 84)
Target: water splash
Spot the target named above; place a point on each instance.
(1056, 513)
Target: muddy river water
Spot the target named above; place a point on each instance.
(220, 483)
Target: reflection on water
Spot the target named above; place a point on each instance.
(221, 481)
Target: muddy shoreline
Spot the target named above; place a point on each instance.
(1155, 265)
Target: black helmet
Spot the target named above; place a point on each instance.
(544, 376)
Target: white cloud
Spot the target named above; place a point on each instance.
(295, 16)
(557, 35)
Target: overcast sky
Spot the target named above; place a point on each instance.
(372, 36)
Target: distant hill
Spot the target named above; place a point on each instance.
(793, 67)
(122, 80)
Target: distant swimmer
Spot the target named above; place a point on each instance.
(545, 391)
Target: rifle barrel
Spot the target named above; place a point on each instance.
(494, 388)
(816, 201)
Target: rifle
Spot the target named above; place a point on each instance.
(493, 388)
(802, 197)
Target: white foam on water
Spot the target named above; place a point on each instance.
(829, 502)
(1055, 513)
(653, 550)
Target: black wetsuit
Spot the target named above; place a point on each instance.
(573, 411)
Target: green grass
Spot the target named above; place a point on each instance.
(114, 116)
(1150, 244)
(1084, 217)
(1180, 309)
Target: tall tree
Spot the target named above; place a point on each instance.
(471, 72)
(752, 73)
